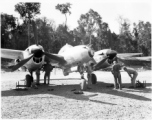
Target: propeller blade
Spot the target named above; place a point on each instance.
(55, 57)
(120, 59)
(10, 67)
(97, 66)
(21, 63)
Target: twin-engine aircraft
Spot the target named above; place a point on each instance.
(68, 57)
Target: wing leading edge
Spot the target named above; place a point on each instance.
(144, 59)
(11, 54)
(128, 54)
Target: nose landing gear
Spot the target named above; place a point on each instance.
(93, 78)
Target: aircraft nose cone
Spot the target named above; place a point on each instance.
(37, 52)
(111, 54)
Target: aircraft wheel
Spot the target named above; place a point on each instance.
(83, 85)
(94, 79)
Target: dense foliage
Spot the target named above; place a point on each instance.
(90, 30)
(27, 12)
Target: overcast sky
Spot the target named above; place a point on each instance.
(109, 10)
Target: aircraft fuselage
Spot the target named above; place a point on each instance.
(75, 56)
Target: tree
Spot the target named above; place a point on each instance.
(125, 37)
(144, 37)
(64, 35)
(45, 29)
(135, 32)
(8, 24)
(64, 9)
(124, 25)
(115, 42)
(27, 12)
(80, 34)
(103, 36)
(91, 22)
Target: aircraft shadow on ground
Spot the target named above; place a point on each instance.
(66, 91)
(125, 88)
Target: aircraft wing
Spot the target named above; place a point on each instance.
(119, 55)
(144, 59)
(11, 54)
(133, 57)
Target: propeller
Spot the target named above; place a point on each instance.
(89, 45)
(97, 66)
(21, 63)
(55, 57)
(90, 50)
(91, 53)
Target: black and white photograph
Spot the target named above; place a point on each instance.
(72, 59)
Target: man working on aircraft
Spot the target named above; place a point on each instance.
(89, 70)
(117, 76)
(47, 68)
(38, 76)
(133, 75)
(81, 71)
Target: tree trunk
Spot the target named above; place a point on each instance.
(28, 34)
(65, 20)
(109, 38)
(35, 32)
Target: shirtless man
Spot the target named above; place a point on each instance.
(117, 75)
(133, 75)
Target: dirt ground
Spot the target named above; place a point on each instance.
(57, 100)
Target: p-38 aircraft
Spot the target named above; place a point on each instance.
(68, 57)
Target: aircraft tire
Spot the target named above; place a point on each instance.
(94, 79)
